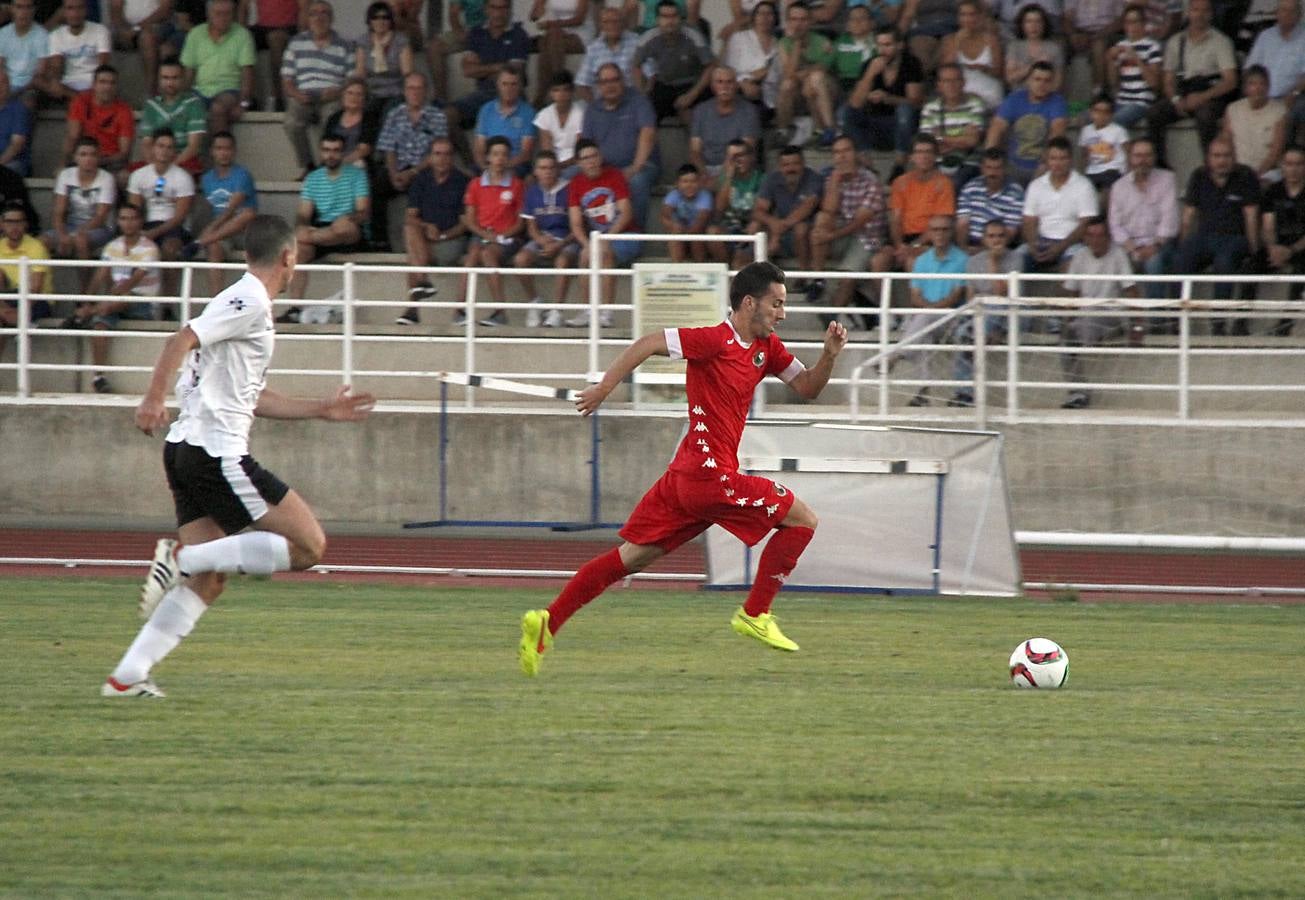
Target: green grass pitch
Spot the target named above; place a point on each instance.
(326, 740)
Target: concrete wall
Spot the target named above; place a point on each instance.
(90, 465)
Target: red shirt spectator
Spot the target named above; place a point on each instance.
(597, 197)
(100, 114)
(498, 205)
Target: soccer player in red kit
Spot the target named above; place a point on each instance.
(703, 485)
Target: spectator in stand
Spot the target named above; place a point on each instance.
(690, 13)
(405, 142)
(1103, 146)
(496, 45)
(493, 217)
(24, 46)
(165, 193)
(1221, 223)
(333, 211)
(559, 123)
(884, 109)
(854, 49)
(1144, 215)
(277, 22)
(1283, 228)
(751, 53)
(1098, 257)
(956, 120)
(1026, 122)
(992, 196)
(1200, 76)
(624, 126)
(1057, 208)
(178, 110)
(673, 65)
(598, 199)
(313, 71)
(15, 244)
(994, 259)
(146, 26)
(12, 188)
(1090, 29)
(744, 17)
(804, 62)
(939, 257)
(917, 197)
(464, 15)
(434, 231)
(511, 117)
(1256, 126)
(687, 209)
(186, 14)
(786, 206)
(232, 201)
(850, 225)
(719, 122)
(740, 183)
(1281, 51)
(1133, 68)
(548, 225)
(924, 23)
(976, 49)
(84, 195)
(383, 57)
(15, 131)
(219, 62)
(127, 274)
(358, 123)
(77, 48)
(1163, 18)
(1033, 43)
(100, 114)
(615, 45)
(564, 27)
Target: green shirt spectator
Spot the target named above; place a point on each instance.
(185, 115)
(217, 64)
(818, 51)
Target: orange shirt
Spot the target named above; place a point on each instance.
(916, 199)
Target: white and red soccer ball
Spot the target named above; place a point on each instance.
(1039, 663)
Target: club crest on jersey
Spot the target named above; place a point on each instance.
(759, 358)
(780, 490)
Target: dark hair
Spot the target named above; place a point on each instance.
(1024, 11)
(102, 68)
(891, 30)
(1102, 98)
(1146, 139)
(739, 142)
(14, 206)
(1256, 70)
(562, 78)
(925, 138)
(265, 237)
(221, 134)
(170, 61)
(791, 150)
(1138, 8)
(995, 153)
(378, 6)
(948, 65)
(799, 4)
(1095, 220)
(774, 9)
(542, 154)
(999, 222)
(584, 144)
(165, 131)
(665, 3)
(1042, 66)
(86, 142)
(495, 141)
(1060, 142)
(753, 280)
(331, 138)
(687, 169)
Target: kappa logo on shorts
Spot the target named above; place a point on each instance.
(759, 358)
(697, 411)
(758, 502)
(742, 501)
(709, 463)
(729, 492)
(771, 510)
(701, 426)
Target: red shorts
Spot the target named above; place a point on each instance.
(678, 509)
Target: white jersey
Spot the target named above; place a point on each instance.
(222, 379)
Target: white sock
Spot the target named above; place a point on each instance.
(175, 617)
(252, 553)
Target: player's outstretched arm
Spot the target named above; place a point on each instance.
(152, 412)
(345, 406)
(810, 382)
(633, 356)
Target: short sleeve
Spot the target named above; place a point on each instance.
(695, 343)
(246, 56)
(103, 43)
(240, 316)
(188, 51)
(782, 364)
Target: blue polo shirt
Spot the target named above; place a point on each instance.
(935, 290)
(515, 125)
(617, 130)
(438, 202)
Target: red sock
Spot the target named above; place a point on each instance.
(593, 578)
(777, 560)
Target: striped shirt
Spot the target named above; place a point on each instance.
(1133, 89)
(334, 197)
(186, 115)
(311, 67)
(981, 207)
(600, 53)
(940, 121)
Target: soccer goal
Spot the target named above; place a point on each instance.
(902, 510)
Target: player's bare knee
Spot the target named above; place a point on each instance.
(208, 585)
(307, 551)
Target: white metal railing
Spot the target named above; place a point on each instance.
(874, 353)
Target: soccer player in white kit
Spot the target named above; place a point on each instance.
(218, 489)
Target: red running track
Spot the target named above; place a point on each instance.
(1040, 565)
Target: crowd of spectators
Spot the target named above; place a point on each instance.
(968, 101)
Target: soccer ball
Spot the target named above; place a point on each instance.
(1039, 663)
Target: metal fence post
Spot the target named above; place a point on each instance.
(346, 351)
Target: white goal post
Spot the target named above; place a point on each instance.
(902, 510)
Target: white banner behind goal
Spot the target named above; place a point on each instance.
(901, 509)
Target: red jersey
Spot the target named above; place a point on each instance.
(597, 197)
(722, 375)
(498, 206)
(104, 123)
